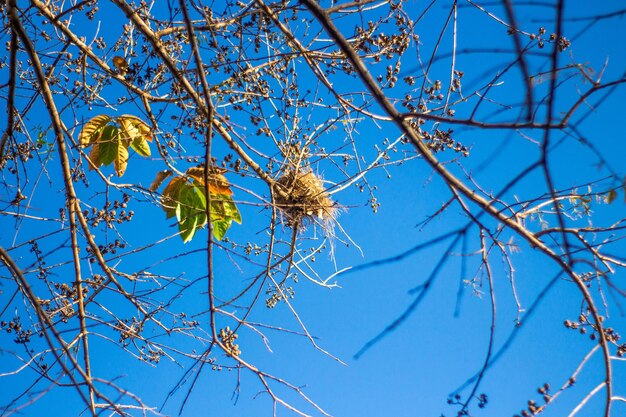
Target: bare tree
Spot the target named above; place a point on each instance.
(243, 124)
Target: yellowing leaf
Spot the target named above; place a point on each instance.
(611, 196)
(120, 63)
(92, 130)
(223, 212)
(140, 145)
(218, 184)
(158, 180)
(121, 162)
(136, 132)
(134, 124)
(113, 149)
(231, 210)
(218, 211)
(220, 227)
(94, 155)
(170, 196)
(223, 208)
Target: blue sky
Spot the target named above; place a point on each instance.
(413, 370)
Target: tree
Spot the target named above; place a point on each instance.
(254, 129)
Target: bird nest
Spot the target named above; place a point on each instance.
(301, 198)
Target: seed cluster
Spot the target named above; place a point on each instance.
(228, 337)
(129, 329)
(109, 213)
(20, 152)
(15, 326)
(584, 326)
(276, 295)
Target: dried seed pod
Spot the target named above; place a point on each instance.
(121, 64)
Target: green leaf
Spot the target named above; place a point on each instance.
(93, 129)
(113, 149)
(140, 145)
(224, 208)
(190, 211)
(220, 227)
(108, 144)
(187, 226)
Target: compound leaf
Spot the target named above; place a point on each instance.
(188, 203)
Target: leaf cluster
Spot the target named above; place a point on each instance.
(110, 139)
(185, 198)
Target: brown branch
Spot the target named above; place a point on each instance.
(455, 183)
(8, 134)
(70, 195)
(207, 166)
(520, 54)
(46, 326)
(202, 107)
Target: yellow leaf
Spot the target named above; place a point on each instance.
(170, 196)
(218, 184)
(93, 129)
(160, 177)
(611, 196)
(120, 63)
(121, 161)
(140, 146)
(94, 156)
(136, 132)
(134, 127)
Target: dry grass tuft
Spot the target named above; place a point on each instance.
(305, 199)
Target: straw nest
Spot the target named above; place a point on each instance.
(301, 198)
